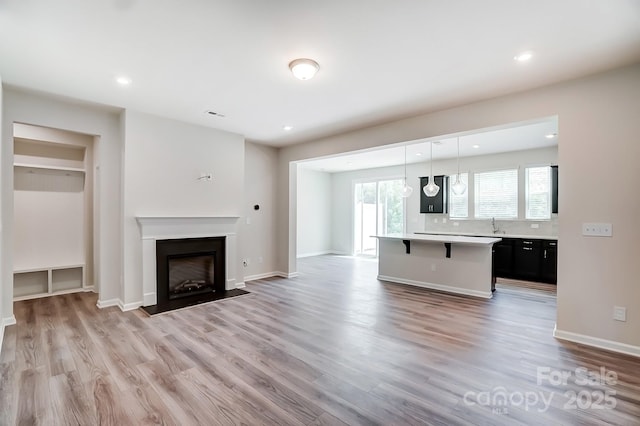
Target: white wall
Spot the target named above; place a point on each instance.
(163, 160)
(597, 118)
(257, 237)
(4, 321)
(314, 212)
(31, 108)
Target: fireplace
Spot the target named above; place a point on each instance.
(180, 237)
(190, 270)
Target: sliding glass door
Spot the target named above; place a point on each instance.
(379, 209)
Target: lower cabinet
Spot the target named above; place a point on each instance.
(526, 259)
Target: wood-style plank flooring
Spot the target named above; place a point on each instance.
(334, 346)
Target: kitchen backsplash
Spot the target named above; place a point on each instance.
(442, 223)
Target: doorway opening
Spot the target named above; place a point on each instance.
(378, 209)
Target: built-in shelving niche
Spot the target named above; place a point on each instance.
(53, 205)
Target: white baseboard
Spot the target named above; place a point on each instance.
(107, 303)
(261, 276)
(149, 299)
(5, 322)
(315, 253)
(240, 284)
(285, 274)
(596, 342)
(440, 287)
(128, 306)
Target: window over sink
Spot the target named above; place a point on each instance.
(496, 194)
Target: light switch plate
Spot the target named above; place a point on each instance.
(619, 313)
(597, 229)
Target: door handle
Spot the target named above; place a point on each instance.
(545, 253)
(527, 248)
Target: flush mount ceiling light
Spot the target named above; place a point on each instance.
(406, 189)
(551, 136)
(524, 56)
(304, 69)
(287, 128)
(431, 189)
(458, 187)
(475, 146)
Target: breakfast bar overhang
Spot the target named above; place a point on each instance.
(451, 263)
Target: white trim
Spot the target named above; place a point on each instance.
(128, 306)
(596, 342)
(57, 293)
(440, 287)
(286, 275)
(107, 303)
(240, 284)
(261, 276)
(150, 299)
(6, 322)
(317, 253)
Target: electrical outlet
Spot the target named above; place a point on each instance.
(433, 266)
(435, 220)
(248, 221)
(535, 225)
(619, 313)
(597, 229)
(444, 220)
(456, 224)
(260, 259)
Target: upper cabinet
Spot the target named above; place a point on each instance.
(439, 203)
(554, 189)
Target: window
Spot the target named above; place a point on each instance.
(538, 193)
(496, 194)
(459, 204)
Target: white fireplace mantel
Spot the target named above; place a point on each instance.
(154, 228)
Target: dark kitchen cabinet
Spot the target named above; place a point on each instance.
(554, 189)
(439, 203)
(503, 258)
(549, 262)
(526, 259)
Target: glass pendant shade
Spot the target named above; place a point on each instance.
(431, 189)
(458, 187)
(406, 189)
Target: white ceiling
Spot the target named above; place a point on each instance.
(491, 141)
(380, 60)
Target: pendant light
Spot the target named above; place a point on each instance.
(431, 189)
(406, 189)
(459, 187)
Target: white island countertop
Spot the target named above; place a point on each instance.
(480, 234)
(439, 238)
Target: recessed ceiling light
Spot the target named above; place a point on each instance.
(287, 128)
(523, 57)
(418, 154)
(476, 146)
(550, 135)
(304, 69)
(349, 163)
(123, 80)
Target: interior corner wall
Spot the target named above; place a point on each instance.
(258, 227)
(3, 284)
(598, 124)
(163, 160)
(314, 213)
(30, 108)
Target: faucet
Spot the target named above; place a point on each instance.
(496, 229)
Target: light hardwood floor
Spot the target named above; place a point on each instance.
(333, 346)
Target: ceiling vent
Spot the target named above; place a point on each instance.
(214, 113)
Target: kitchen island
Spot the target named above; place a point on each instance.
(451, 263)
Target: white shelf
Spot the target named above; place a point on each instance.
(29, 283)
(45, 167)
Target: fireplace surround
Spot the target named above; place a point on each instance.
(153, 230)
